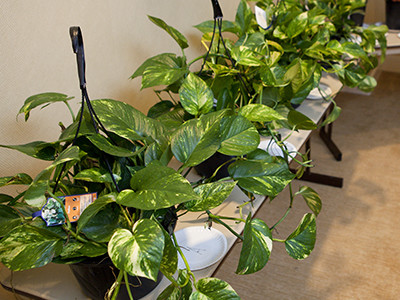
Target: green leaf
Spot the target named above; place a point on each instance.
(162, 74)
(41, 99)
(105, 145)
(164, 58)
(169, 262)
(213, 289)
(20, 178)
(297, 25)
(368, 84)
(27, 247)
(212, 195)
(259, 177)
(244, 16)
(9, 219)
(93, 209)
(332, 116)
(196, 140)
(156, 187)
(260, 113)
(312, 199)
(160, 108)
(38, 149)
(246, 57)
(182, 292)
(256, 248)
(355, 50)
(293, 71)
(238, 136)
(95, 175)
(4, 198)
(208, 26)
(301, 121)
(35, 194)
(122, 119)
(301, 242)
(78, 249)
(175, 34)
(196, 97)
(138, 252)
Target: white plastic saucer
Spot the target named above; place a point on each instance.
(202, 247)
(315, 94)
(274, 150)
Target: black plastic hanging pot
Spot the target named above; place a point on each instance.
(96, 276)
(210, 165)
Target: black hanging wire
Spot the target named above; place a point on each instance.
(218, 16)
(77, 46)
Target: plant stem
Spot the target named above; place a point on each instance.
(127, 217)
(183, 257)
(128, 289)
(218, 220)
(70, 111)
(114, 290)
(288, 209)
(278, 240)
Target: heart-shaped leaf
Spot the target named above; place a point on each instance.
(27, 247)
(260, 113)
(156, 187)
(312, 199)
(261, 177)
(138, 252)
(95, 175)
(212, 195)
(297, 25)
(196, 97)
(256, 248)
(122, 119)
(213, 289)
(238, 136)
(196, 140)
(301, 242)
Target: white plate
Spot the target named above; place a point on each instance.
(315, 94)
(202, 247)
(274, 150)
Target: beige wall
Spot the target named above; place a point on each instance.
(36, 56)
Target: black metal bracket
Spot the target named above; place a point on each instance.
(319, 178)
(326, 135)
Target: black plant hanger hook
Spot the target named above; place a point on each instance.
(217, 10)
(218, 16)
(77, 46)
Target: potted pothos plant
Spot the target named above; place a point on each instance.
(123, 159)
(275, 56)
(140, 194)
